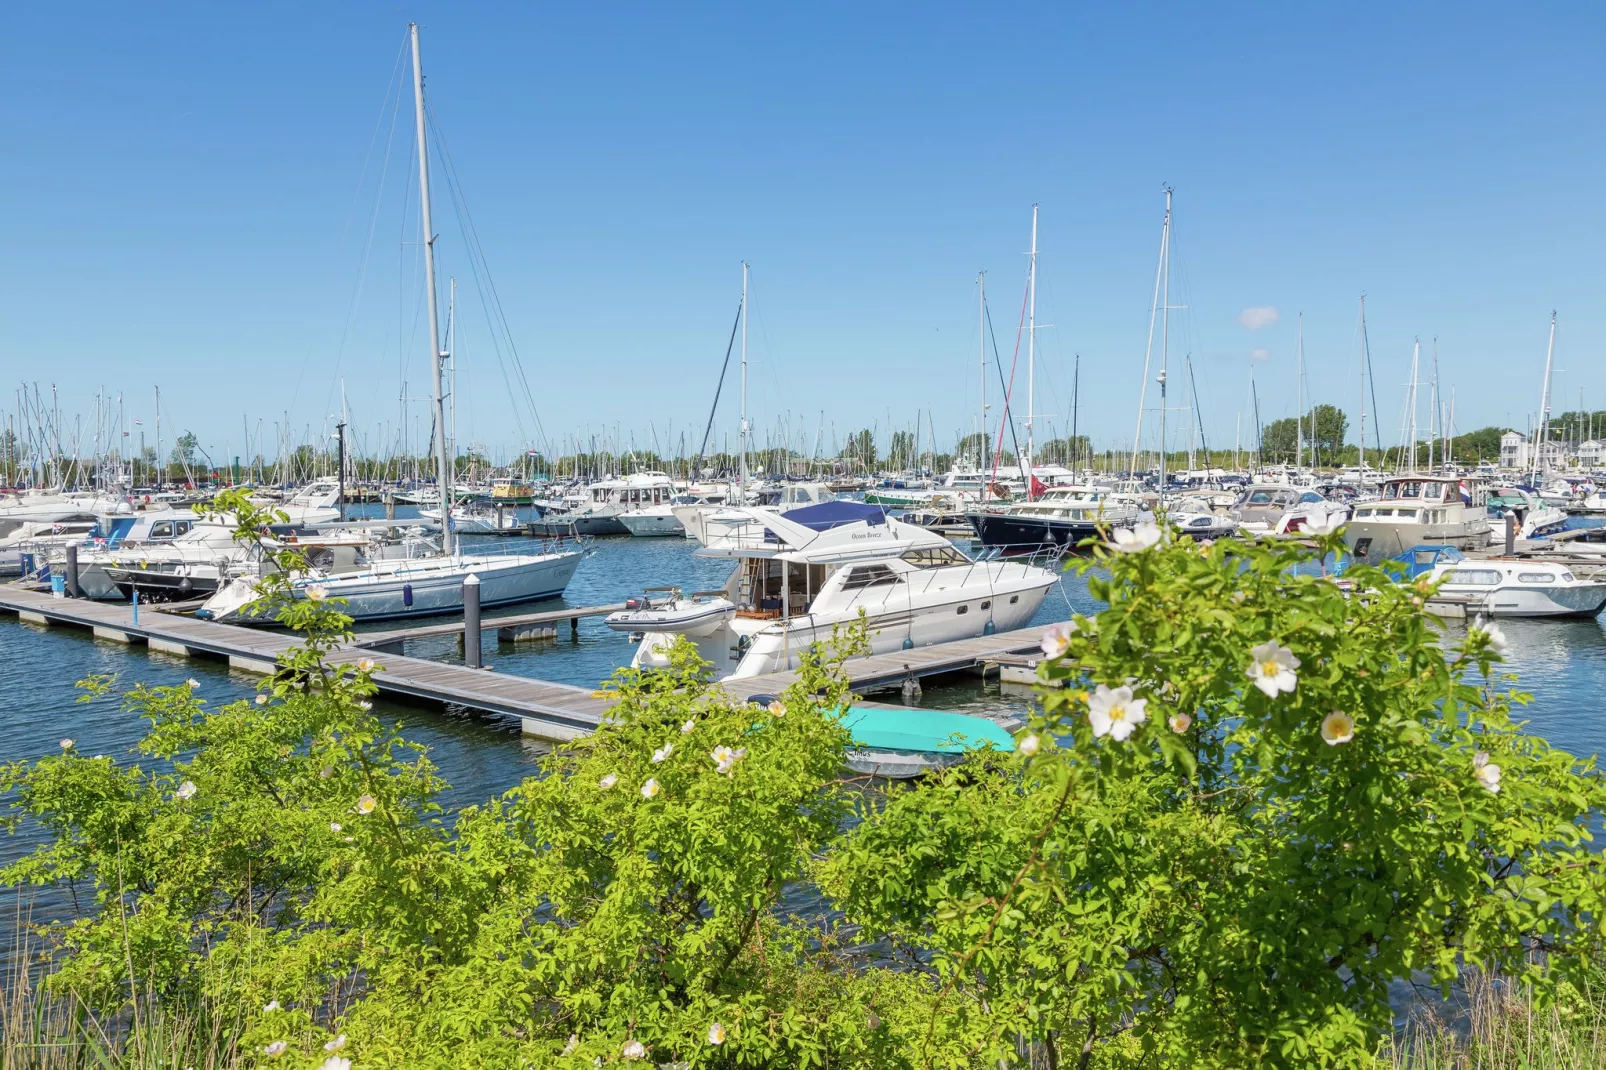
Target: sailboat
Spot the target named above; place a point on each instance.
(418, 584)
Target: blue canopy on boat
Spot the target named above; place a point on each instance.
(828, 515)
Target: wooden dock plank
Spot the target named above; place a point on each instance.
(487, 624)
(547, 709)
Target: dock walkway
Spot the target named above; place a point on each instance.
(547, 710)
(508, 629)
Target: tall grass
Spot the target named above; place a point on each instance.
(1503, 1029)
(42, 1030)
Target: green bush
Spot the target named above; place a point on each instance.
(1190, 861)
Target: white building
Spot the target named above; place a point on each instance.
(1517, 452)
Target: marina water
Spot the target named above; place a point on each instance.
(1562, 663)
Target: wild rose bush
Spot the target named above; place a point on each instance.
(1256, 802)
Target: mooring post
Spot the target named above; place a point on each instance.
(136, 607)
(1511, 534)
(574, 627)
(73, 590)
(471, 620)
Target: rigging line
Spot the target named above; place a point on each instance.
(729, 346)
(1013, 437)
(379, 121)
(1009, 390)
(478, 250)
(373, 222)
(459, 208)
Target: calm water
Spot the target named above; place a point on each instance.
(1562, 663)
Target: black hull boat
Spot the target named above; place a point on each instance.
(1029, 534)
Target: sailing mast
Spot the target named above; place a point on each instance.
(1165, 336)
(981, 341)
(1031, 358)
(1416, 357)
(1543, 427)
(744, 384)
(1076, 408)
(1299, 400)
(1434, 423)
(443, 474)
(1361, 438)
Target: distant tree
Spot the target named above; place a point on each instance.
(1064, 451)
(1480, 445)
(1277, 441)
(184, 450)
(1325, 428)
(861, 449)
(901, 453)
(975, 449)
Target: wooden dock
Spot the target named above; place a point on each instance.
(508, 629)
(551, 711)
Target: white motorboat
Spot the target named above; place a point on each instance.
(1535, 519)
(481, 516)
(1518, 587)
(316, 503)
(25, 545)
(1419, 511)
(121, 541)
(707, 519)
(192, 564)
(802, 573)
(1278, 509)
(39, 504)
(608, 500)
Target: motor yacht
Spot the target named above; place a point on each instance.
(706, 521)
(1278, 509)
(802, 573)
(483, 516)
(607, 500)
(1518, 587)
(663, 520)
(1535, 519)
(1057, 521)
(1417, 511)
(25, 545)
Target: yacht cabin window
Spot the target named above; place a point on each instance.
(162, 529)
(869, 576)
(935, 557)
(1473, 575)
(1536, 577)
(1433, 492)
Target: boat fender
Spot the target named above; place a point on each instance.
(185, 586)
(989, 628)
(908, 643)
(407, 594)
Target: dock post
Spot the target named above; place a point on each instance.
(1511, 534)
(73, 590)
(136, 607)
(574, 627)
(471, 621)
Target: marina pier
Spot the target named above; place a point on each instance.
(546, 710)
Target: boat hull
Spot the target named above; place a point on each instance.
(653, 525)
(1374, 543)
(587, 524)
(1025, 534)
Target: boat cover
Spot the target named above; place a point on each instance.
(932, 731)
(828, 515)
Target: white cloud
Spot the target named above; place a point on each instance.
(1260, 354)
(1258, 317)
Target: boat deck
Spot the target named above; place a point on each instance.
(547, 710)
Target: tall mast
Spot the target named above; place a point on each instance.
(1416, 357)
(1148, 349)
(1299, 399)
(1076, 409)
(1433, 414)
(161, 466)
(744, 382)
(1543, 428)
(1361, 438)
(1165, 332)
(981, 341)
(1031, 356)
(443, 474)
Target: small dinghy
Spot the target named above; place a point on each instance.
(665, 609)
(901, 743)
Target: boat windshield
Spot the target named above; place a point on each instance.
(935, 557)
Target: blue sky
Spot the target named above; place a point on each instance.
(190, 193)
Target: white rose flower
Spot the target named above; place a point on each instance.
(262, 700)
(1028, 745)
(1324, 527)
(336, 1044)
(1057, 640)
(716, 1034)
(335, 1062)
(1115, 713)
(1179, 722)
(365, 664)
(271, 1006)
(608, 781)
(1486, 773)
(1135, 539)
(633, 1050)
(366, 804)
(192, 683)
(687, 728)
(276, 1049)
(1273, 668)
(66, 744)
(649, 789)
(663, 752)
(185, 790)
(316, 592)
(1338, 727)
